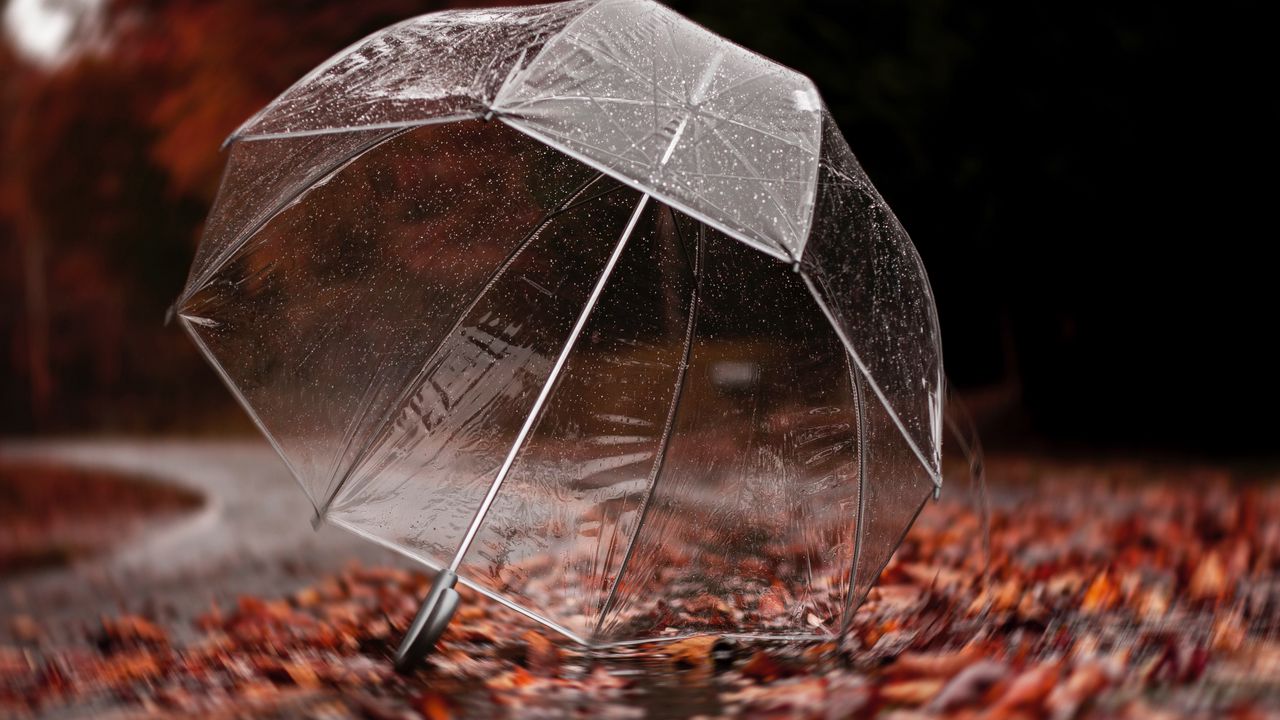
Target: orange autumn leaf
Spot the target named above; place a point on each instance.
(434, 706)
(514, 679)
(911, 692)
(934, 665)
(1029, 688)
(763, 666)
(694, 651)
(543, 654)
(1209, 581)
(1103, 594)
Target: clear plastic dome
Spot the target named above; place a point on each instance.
(590, 305)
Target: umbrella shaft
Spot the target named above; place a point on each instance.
(547, 386)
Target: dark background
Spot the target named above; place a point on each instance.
(1090, 185)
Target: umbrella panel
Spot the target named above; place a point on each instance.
(557, 535)
(895, 489)
(866, 273)
(750, 525)
(699, 465)
(321, 319)
(424, 478)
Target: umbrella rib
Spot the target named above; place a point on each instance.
(859, 528)
(548, 386)
(349, 435)
(665, 443)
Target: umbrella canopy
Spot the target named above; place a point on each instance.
(587, 305)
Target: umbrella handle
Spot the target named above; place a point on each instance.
(430, 622)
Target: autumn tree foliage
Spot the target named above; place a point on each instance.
(110, 160)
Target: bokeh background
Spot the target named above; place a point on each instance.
(1090, 185)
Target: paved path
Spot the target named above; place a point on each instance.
(254, 536)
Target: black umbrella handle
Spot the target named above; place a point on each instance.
(429, 624)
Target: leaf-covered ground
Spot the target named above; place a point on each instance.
(1119, 591)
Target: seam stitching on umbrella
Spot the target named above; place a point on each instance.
(893, 414)
(660, 461)
(860, 518)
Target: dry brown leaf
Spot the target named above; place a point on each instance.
(969, 686)
(1209, 581)
(1103, 594)
(694, 651)
(129, 667)
(434, 706)
(1006, 595)
(1065, 700)
(543, 655)
(1030, 688)
(1228, 633)
(129, 630)
(936, 664)
(763, 667)
(514, 679)
(1153, 603)
(911, 692)
(302, 674)
(307, 597)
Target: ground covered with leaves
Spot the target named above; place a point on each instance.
(1118, 593)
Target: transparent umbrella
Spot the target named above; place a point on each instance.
(589, 309)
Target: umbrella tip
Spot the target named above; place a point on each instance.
(430, 622)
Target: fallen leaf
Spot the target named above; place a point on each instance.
(694, 652)
(911, 692)
(936, 664)
(543, 656)
(1030, 688)
(1101, 595)
(1084, 682)
(763, 667)
(434, 706)
(130, 631)
(1209, 581)
(514, 679)
(969, 686)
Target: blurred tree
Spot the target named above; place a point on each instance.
(111, 159)
(223, 61)
(22, 287)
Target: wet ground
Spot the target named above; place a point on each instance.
(1119, 589)
(253, 536)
